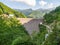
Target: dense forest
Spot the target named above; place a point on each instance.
(12, 32)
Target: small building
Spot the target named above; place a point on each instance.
(11, 15)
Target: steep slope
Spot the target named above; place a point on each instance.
(53, 20)
(10, 30)
(25, 11)
(36, 14)
(55, 13)
(39, 13)
(7, 10)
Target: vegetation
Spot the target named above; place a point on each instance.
(48, 18)
(10, 30)
(39, 37)
(49, 31)
(7, 10)
(37, 14)
(54, 36)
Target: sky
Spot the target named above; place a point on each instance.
(33, 4)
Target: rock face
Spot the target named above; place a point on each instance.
(31, 24)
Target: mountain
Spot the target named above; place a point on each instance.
(44, 10)
(38, 13)
(25, 11)
(7, 10)
(56, 13)
(53, 15)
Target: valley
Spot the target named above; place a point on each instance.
(29, 27)
(38, 13)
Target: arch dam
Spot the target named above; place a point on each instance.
(31, 24)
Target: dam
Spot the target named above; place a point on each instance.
(31, 24)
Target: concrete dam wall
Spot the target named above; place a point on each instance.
(30, 24)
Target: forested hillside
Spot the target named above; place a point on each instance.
(11, 31)
(37, 14)
(52, 20)
(50, 30)
(7, 10)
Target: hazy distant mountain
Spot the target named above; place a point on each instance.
(25, 11)
(44, 10)
(38, 13)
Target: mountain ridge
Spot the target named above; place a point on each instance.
(7, 10)
(30, 13)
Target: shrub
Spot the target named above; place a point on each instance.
(10, 29)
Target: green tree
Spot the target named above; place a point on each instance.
(23, 41)
(39, 37)
(53, 37)
(48, 18)
(10, 29)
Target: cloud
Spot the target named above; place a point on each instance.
(42, 3)
(45, 4)
(51, 5)
(28, 2)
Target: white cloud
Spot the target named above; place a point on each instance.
(51, 5)
(28, 2)
(42, 3)
(46, 4)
